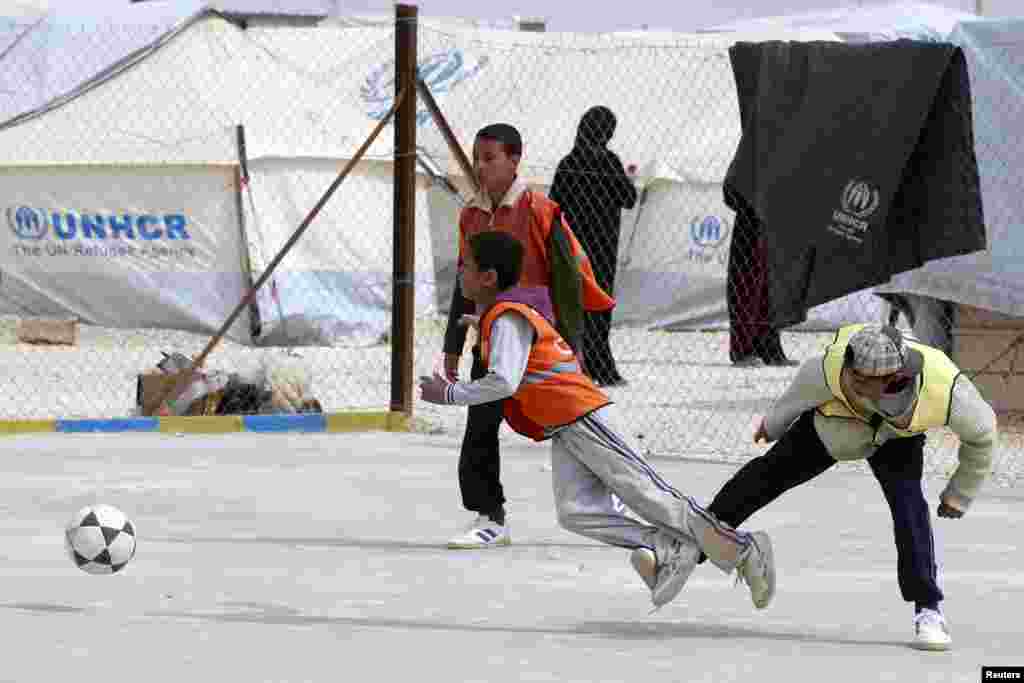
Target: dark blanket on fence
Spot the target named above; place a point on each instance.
(856, 162)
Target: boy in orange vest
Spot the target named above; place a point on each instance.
(546, 396)
(504, 204)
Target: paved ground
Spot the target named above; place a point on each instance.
(319, 558)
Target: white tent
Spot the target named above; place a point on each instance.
(678, 121)
(124, 205)
(152, 138)
(992, 279)
(869, 23)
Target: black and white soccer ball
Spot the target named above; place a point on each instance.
(100, 539)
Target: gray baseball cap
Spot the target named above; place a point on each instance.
(879, 350)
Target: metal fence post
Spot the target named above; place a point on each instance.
(404, 268)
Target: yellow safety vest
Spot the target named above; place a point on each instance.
(936, 392)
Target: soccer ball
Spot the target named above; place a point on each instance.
(100, 539)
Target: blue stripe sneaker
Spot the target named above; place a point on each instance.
(483, 532)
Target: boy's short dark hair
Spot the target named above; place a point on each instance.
(500, 252)
(506, 134)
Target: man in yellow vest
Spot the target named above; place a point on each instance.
(536, 375)
(873, 395)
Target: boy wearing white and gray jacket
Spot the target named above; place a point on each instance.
(873, 395)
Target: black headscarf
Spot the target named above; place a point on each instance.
(592, 188)
(596, 128)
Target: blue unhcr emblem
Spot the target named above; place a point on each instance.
(442, 72)
(27, 223)
(708, 231)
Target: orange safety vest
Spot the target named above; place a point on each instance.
(529, 221)
(554, 391)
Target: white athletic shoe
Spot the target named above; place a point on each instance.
(645, 564)
(931, 631)
(483, 532)
(666, 569)
(758, 570)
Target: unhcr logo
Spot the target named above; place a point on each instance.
(442, 72)
(708, 231)
(27, 223)
(858, 203)
(860, 199)
(34, 224)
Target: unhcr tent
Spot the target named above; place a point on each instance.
(870, 23)
(992, 279)
(678, 121)
(126, 208)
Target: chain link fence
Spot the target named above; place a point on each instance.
(145, 199)
(231, 135)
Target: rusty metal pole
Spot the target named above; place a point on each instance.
(404, 268)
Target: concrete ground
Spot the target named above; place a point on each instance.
(317, 557)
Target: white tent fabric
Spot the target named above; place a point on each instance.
(46, 54)
(145, 245)
(308, 96)
(171, 95)
(869, 23)
(177, 105)
(992, 279)
(678, 121)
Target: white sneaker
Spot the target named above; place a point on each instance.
(931, 631)
(758, 570)
(666, 569)
(483, 532)
(645, 564)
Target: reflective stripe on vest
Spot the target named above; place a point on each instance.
(554, 391)
(541, 375)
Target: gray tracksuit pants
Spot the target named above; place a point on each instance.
(590, 463)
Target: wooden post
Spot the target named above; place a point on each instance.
(404, 267)
(174, 389)
(446, 132)
(242, 186)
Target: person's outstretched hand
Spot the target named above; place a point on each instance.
(434, 389)
(948, 511)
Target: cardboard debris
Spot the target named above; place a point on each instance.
(151, 386)
(43, 331)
